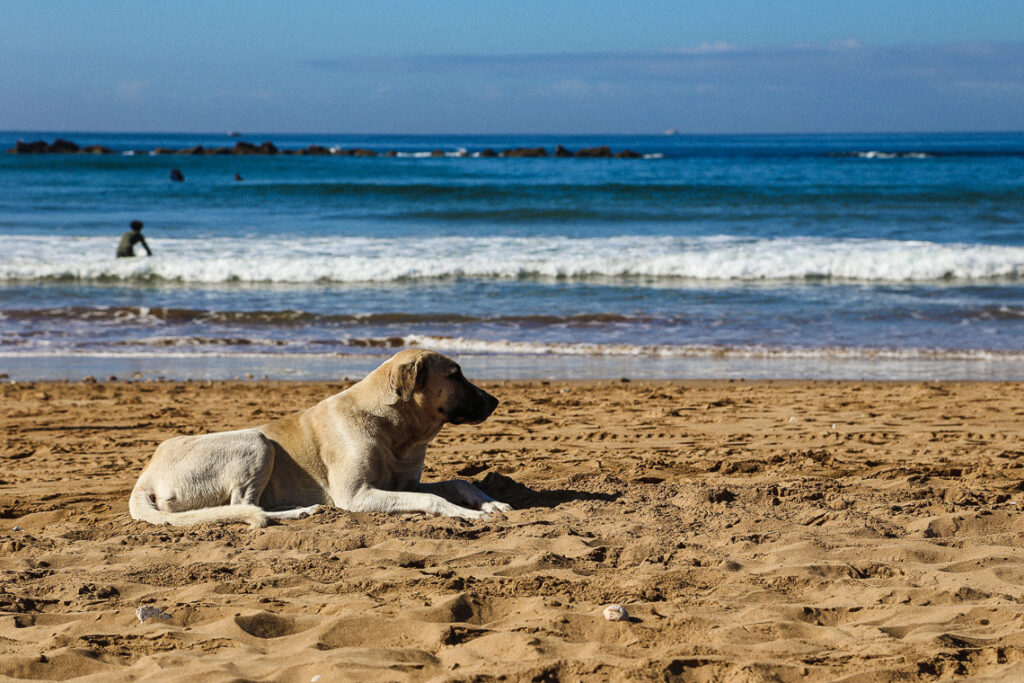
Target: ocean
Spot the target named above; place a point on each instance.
(789, 256)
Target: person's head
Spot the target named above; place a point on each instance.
(136, 226)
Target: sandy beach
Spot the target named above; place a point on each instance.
(754, 531)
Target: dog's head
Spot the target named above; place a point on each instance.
(436, 384)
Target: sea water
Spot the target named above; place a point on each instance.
(886, 256)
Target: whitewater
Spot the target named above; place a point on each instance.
(366, 259)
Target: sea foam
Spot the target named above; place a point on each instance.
(364, 259)
(463, 345)
(192, 347)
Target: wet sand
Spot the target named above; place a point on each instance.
(754, 531)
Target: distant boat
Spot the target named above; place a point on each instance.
(234, 134)
(671, 131)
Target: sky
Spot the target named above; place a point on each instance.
(530, 67)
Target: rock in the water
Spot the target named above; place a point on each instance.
(595, 152)
(525, 152)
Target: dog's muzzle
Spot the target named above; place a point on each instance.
(475, 410)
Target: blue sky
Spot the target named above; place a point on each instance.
(447, 66)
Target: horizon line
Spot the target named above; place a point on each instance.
(665, 134)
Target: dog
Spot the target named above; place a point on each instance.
(361, 450)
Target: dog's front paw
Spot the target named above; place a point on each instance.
(474, 515)
(308, 511)
(495, 507)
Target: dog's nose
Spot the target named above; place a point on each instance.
(490, 402)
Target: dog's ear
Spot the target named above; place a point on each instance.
(406, 377)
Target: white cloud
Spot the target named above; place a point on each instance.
(715, 47)
(131, 90)
(575, 88)
(839, 86)
(572, 87)
(846, 44)
(991, 88)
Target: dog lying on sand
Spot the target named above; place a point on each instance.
(360, 450)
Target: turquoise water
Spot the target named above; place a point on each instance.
(759, 256)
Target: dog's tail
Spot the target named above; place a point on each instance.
(142, 506)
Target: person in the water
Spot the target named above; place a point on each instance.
(130, 239)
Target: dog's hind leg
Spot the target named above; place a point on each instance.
(208, 478)
(248, 494)
(294, 513)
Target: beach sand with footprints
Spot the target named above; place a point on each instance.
(754, 531)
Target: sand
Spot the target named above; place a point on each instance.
(754, 531)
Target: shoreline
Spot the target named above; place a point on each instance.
(311, 367)
(797, 529)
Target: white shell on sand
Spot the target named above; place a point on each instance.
(616, 613)
(147, 611)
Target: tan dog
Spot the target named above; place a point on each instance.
(361, 450)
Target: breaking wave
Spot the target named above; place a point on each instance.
(632, 258)
(141, 315)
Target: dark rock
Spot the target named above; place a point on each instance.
(525, 152)
(61, 146)
(36, 147)
(595, 152)
(242, 147)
